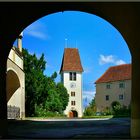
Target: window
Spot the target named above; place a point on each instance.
(72, 93)
(72, 76)
(108, 86)
(107, 97)
(121, 85)
(73, 103)
(120, 97)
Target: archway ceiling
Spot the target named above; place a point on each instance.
(17, 16)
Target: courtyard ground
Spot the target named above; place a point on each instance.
(70, 128)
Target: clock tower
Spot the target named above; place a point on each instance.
(71, 76)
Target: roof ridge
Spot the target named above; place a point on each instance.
(114, 74)
(120, 65)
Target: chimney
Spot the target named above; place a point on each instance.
(19, 42)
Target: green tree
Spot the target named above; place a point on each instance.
(63, 95)
(34, 78)
(91, 109)
(53, 103)
(42, 93)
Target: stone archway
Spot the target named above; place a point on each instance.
(124, 16)
(73, 114)
(13, 83)
(13, 95)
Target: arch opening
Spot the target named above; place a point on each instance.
(13, 83)
(73, 114)
(117, 61)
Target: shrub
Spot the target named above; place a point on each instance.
(89, 112)
(119, 110)
(41, 112)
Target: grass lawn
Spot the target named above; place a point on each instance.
(88, 117)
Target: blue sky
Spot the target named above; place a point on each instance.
(100, 44)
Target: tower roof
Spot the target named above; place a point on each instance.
(116, 73)
(71, 60)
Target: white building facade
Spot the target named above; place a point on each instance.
(71, 77)
(114, 85)
(15, 82)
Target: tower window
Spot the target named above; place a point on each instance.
(73, 103)
(72, 76)
(72, 93)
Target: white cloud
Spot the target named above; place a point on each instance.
(88, 94)
(37, 34)
(110, 59)
(87, 70)
(37, 30)
(119, 62)
(106, 59)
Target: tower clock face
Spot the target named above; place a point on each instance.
(72, 85)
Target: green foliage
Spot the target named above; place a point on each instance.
(119, 110)
(33, 68)
(91, 109)
(89, 112)
(42, 93)
(62, 92)
(107, 111)
(100, 116)
(40, 112)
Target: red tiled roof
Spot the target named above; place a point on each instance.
(116, 73)
(71, 60)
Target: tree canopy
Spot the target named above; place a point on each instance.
(41, 91)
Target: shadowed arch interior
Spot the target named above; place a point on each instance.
(123, 15)
(13, 83)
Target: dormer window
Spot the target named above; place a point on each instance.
(72, 76)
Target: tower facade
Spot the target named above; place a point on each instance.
(71, 76)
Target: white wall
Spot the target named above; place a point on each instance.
(113, 92)
(14, 56)
(15, 63)
(78, 93)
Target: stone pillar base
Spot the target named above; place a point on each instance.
(22, 115)
(3, 128)
(135, 128)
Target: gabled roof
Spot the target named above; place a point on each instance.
(71, 60)
(116, 73)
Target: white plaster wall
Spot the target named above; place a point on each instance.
(15, 100)
(113, 92)
(78, 93)
(18, 98)
(18, 61)
(13, 55)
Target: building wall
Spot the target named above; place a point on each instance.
(16, 58)
(15, 63)
(114, 91)
(78, 93)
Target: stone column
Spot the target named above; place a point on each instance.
(135, 100)
(3, 100)
(19, 42)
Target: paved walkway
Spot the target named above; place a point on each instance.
(70, 128)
